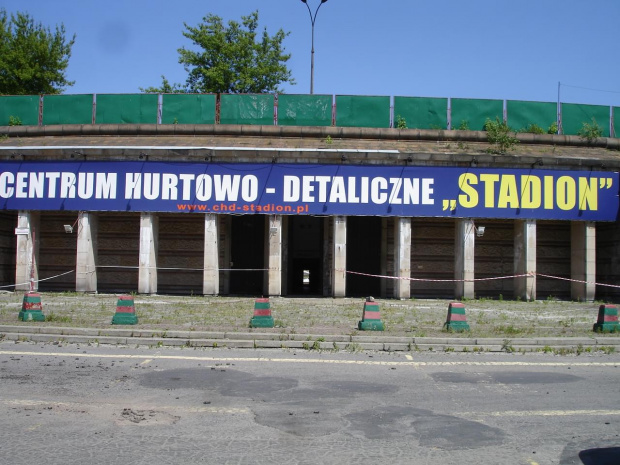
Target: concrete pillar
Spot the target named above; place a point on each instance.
(464, 258)
(386, 257)
(525, 259)
(274, 239)
(27, 257)
(402, 257)
(339, 285)
(147, 274)
(285, 258)
(211, 271)
(328, 269)
(86, 260)
(583, 260)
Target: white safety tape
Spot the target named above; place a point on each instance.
(576, 280)
(170, 268)
(38, 280)
(403, 278)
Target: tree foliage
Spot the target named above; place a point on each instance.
(498, 134)
(33, 58)
(233, 58)
(165, 88)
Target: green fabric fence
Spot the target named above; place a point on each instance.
(304, 110)
(471, 114)
(616, 116)
(520, 115)
(126, 109)
(188, 109)
(575, 115)
(19, 109)
(256, 109)
(362, 111)
(67, 109)
(421, 112)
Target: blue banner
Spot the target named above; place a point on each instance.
(309, 189)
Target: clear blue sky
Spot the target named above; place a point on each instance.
(498, 49)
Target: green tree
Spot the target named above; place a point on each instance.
(233, 59)
(165, 88)
(33, 58)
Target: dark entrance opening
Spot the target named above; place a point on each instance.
(8, 222)
(57, 250)
(363, 255)
(247, 253)
(305, 255)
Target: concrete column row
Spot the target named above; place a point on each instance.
(583, 261)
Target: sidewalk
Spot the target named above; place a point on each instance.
(310, 324)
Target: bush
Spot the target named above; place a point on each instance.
(464, 126)
(590, 132)
(498, 134)
(14, 121)
(533, 129)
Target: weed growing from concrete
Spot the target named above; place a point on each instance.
(507, 346)
(353, 347)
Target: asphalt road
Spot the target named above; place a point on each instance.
(76, 404)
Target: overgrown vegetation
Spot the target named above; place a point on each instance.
(499, 135)
(464, 126)
(590, 131)
(536, 129)
(15, 121)
(401, 123)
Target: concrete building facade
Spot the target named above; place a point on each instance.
(336, 255)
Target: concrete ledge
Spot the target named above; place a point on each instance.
(254, 336)
(175, 334)
(399, 340)
(269, 344)
(37, 333)
(370, 345)
(206, 335)
(607, 341)
(238, 344)
(433, 340)
(397, 347)
(314, 337)
(293, 344)
(155, 341)
(93, 333)
(206, 343)
(570, 341)
(270, 131)
(118, 332)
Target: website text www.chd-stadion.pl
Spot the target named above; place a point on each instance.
(251, 208)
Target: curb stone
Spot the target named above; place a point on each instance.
(210, 339)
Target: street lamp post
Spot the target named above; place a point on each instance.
(312, 20)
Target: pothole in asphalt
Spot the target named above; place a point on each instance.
(505, 377)
(430, 429)
(226, 381)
